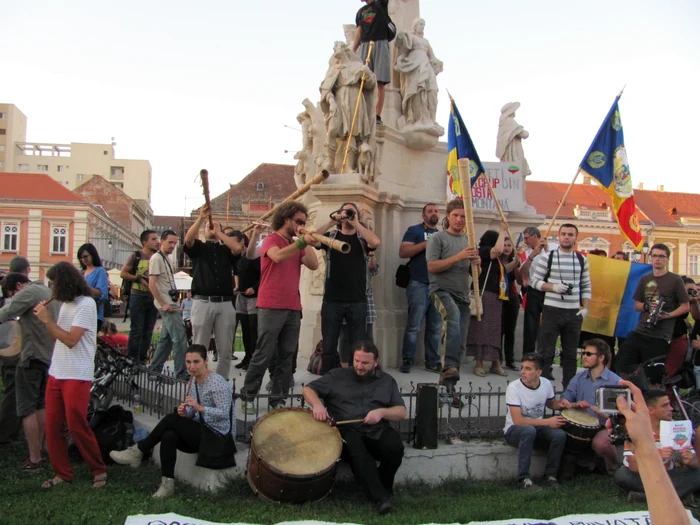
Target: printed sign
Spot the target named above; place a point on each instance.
(676, 434)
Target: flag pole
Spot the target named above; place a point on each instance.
(498, 205)
(465, 184)
(357, 108)
(561, 203)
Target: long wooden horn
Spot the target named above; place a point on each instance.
(318, 179)
(335, 244)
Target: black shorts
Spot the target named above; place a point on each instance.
(30, 387)
(637, 349)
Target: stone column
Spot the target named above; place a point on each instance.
(34, 243)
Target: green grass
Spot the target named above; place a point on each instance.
(129, 492)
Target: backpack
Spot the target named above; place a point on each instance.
(125, 290)
(316, 359)
(113, 429)
(580, 277)
(390, 25)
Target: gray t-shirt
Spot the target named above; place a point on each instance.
(160, 269)
(455, 280)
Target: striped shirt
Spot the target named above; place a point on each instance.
(566, 268)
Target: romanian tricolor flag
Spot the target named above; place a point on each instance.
(460, 146)
(611, 310)
(606, 161)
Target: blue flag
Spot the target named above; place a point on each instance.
(460, 146)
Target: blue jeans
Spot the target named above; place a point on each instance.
(527, 437)
(457, 327)
(143, 315)
(332, 316)
(420, 307)
(172, 336)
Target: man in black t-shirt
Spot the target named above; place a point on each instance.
(345, 295)
(372, 26)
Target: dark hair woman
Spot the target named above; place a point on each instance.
(484, 339)
(96, 278)
(208, 404)
(70, 374)
(511, 308)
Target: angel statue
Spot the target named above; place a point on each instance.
(509, 147)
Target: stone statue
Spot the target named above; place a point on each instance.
(305, 154)
(509, 147)
(339, 95)
(349, 30)
(403, 12)
(418, 70)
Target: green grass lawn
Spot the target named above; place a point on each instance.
(129, 492)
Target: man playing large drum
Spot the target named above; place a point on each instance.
(368, 395)
(581, 393)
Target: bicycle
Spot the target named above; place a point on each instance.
(110, 366)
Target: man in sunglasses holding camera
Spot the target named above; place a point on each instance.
(161, 283)
(345, 293)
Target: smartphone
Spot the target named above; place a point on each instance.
(606, 397)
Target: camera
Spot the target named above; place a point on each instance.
(655, 312)
(606, 397)
(349, 213)
(618, 432)
(174, 295)
(692, 292)
(569, 288)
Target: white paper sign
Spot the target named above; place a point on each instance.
(676, 434)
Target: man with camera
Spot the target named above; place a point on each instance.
(347, 278)
(682, 466)
(161, 282)
(213, 262)
(564, 277)
(661, 298)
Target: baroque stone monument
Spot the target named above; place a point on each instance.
(393, 170)
(509, 146)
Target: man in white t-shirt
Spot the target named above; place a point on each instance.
(161, 283)
(527, 428)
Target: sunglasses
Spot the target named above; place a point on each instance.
(300, 222)
(589, 354)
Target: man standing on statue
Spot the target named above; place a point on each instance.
(449, 262)
(372, 23)
(347, 279)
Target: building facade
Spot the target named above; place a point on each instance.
(70, 164)
(42, 220)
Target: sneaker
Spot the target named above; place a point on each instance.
(131, 456)
(527, 484)
(166, 489)
(248, 407)
(434, 368)
(405, 366)
(553, 482)
(511, 366)
(449, 372)
(242, 365)
(384, 506)
(636, 497)
(379, 120)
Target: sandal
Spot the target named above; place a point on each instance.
(99, 481)
(478, 371)
(51, 483)
(29, 466)
(498, 371)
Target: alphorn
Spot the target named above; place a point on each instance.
(204, 174)
(335, 244)
(465, 182)
(318, 179)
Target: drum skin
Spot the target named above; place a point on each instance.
(581, 428)
(293, 457)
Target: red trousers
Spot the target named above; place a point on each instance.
(676, 355)
(67, 400)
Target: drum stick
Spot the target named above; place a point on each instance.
(346, 422)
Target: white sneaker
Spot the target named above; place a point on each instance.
(131, 456)
(166, 489)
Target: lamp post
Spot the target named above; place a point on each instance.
(645, 250)
(636, 256)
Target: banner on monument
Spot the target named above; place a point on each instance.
(621, 518)
(507, 183)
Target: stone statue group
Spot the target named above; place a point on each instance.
(349, 92)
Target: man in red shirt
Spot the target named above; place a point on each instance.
(279, 303)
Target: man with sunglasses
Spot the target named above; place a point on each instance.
(283, 253)
(581, 393)
(661, 298)
(345, 292)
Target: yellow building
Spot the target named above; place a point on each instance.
(70, 164)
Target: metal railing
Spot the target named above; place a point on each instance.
(481, 413)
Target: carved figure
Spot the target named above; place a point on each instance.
(418, 68)
(339, 95)
(509, 147)
(305, 154)
(366, 163)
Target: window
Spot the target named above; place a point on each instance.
(10, 237)
(693, 264)
(260, 186)
(3, 115)
(42, 167)
(3, 131)
(116, 172)
(23, 167)
(105, 152)
(59, 238)
(2, 147)
(79, 177)
(119, 185)
(60, 168)
(2, 164)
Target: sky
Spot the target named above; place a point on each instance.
(212, 85)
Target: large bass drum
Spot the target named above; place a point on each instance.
(293, 457)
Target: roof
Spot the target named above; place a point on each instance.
(35, 187)
(657, 206)
(277, 183)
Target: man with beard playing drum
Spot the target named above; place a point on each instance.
(367, 399)
(578, 404)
